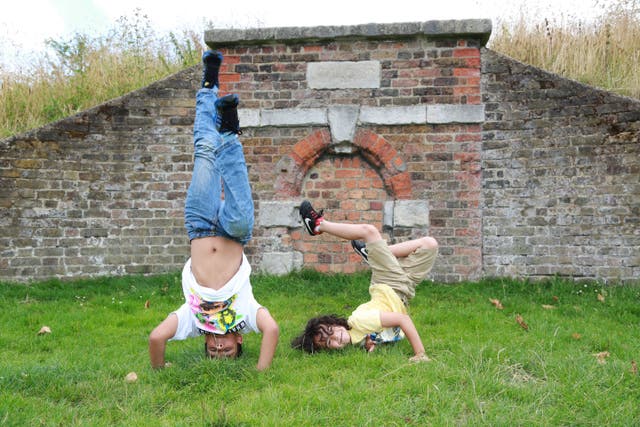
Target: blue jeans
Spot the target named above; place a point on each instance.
(218, 162)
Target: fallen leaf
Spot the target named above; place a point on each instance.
(602, 356)
(600, 297)
(634, 367)
(576, 336)
(147, 304)
(521, 322)
(131, 377)
(44, 330)
(496, 303)
(548, 307)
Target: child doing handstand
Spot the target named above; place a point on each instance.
(219, 301)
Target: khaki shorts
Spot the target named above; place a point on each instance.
(401, 274)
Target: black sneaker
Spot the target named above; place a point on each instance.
(310, 217)
(211, 61)
(227, 114)
(361, 249)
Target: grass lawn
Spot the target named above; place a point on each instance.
(574, 365)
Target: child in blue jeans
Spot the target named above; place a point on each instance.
(219, 301)
(396, 270)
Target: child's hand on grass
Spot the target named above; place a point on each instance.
(419, 358)
(369, 344)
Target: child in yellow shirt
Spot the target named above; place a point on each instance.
(396, 271)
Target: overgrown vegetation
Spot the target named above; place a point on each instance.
(86, 71)
(574, 364)
(603, 53)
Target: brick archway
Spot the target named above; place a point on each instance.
(385, 159)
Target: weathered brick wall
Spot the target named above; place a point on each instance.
(101, 192)
(376, 123)
(561, 176)
(399, 165)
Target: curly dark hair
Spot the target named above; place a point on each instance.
(314, 326)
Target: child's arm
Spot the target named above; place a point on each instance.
(158, 340)
(270, 333)
(390, 319)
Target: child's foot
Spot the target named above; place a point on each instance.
(211, 62)
(227, 114)
(361, 249)
(311, 218)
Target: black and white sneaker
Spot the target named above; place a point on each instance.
(361, 249)
(310, 218)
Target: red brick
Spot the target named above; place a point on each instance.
(466, 52)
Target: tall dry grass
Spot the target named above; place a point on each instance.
(604, 52)
(86, 71)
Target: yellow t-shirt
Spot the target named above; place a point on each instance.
(366, 318)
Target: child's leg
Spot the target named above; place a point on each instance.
(236, 214)
(366, 232)
(315, 224)
(218, 159)
(419, 262)
(386, 269)
(203, 196)
(401, 250)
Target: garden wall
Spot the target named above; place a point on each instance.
(413, 127)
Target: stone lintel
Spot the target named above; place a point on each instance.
(414, 114)
(293, 117)
(454, 113)
(342, 119)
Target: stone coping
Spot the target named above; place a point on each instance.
(471, 28)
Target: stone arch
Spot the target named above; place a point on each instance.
(293, 167)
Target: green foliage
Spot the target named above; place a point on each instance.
(85, 71)
(486, 369)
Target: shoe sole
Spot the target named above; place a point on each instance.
(364, 254)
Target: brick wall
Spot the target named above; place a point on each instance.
(377, 123)
(561, 176)
(101, 192)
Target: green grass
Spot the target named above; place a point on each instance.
(486, 369)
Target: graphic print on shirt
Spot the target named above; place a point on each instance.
(217, 317)
(387, 335)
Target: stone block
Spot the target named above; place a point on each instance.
(453, 113)
(279, 214)
(249, 117)
(280, 263)
(406, 213)
(405, 115)
(342, 122)
(294, 117)
(344, 75)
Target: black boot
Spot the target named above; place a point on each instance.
(227, 110)
(211, 61)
